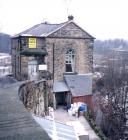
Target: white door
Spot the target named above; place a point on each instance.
(32, 70)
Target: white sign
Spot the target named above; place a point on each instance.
(42, 67)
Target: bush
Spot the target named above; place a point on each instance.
(90, 118)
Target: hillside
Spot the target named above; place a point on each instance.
(104, 47)
(5, 43)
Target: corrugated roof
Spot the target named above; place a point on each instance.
(56, 130)
(79, 85)
(60, 86)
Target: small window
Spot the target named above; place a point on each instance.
(70, 60)
(23, 43)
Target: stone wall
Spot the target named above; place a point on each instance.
(32, 96)
(71, 30)
(83, 56)
(14, 49)
(73, 37)
(20, 62)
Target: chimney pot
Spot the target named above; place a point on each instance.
(70, 17)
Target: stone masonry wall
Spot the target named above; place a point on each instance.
(71, 30)
(70, 36)
(83, 56)
(32, 96)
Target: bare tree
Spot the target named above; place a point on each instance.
(114, 95)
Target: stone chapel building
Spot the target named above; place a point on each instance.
(65, 49)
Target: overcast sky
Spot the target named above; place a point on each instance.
(103, 19)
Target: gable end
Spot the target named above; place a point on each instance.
(70, 30)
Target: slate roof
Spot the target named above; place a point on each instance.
(41, 30)
(60, 86)
(46, 29)
(79, 85)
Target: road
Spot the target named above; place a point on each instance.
(6, 81)
(16, 123)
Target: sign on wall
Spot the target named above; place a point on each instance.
(43, 67)
(32, 42)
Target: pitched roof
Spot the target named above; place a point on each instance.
(41, 30)
(46, 29)
(79, 85)
(60, 86)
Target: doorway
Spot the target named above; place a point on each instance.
(61, 98)
(32, 70)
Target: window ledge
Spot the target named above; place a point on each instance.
(70, 73)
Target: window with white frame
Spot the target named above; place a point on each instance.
(70, 60)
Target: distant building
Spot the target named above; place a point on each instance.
(5, 64)
(65, 49)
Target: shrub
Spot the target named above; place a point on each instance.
(90, 118)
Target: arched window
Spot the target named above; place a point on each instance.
(70, 60)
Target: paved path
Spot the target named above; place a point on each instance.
(5, 81)
(15, 122)
(62, 116)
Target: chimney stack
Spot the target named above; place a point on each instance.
(70, 17)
